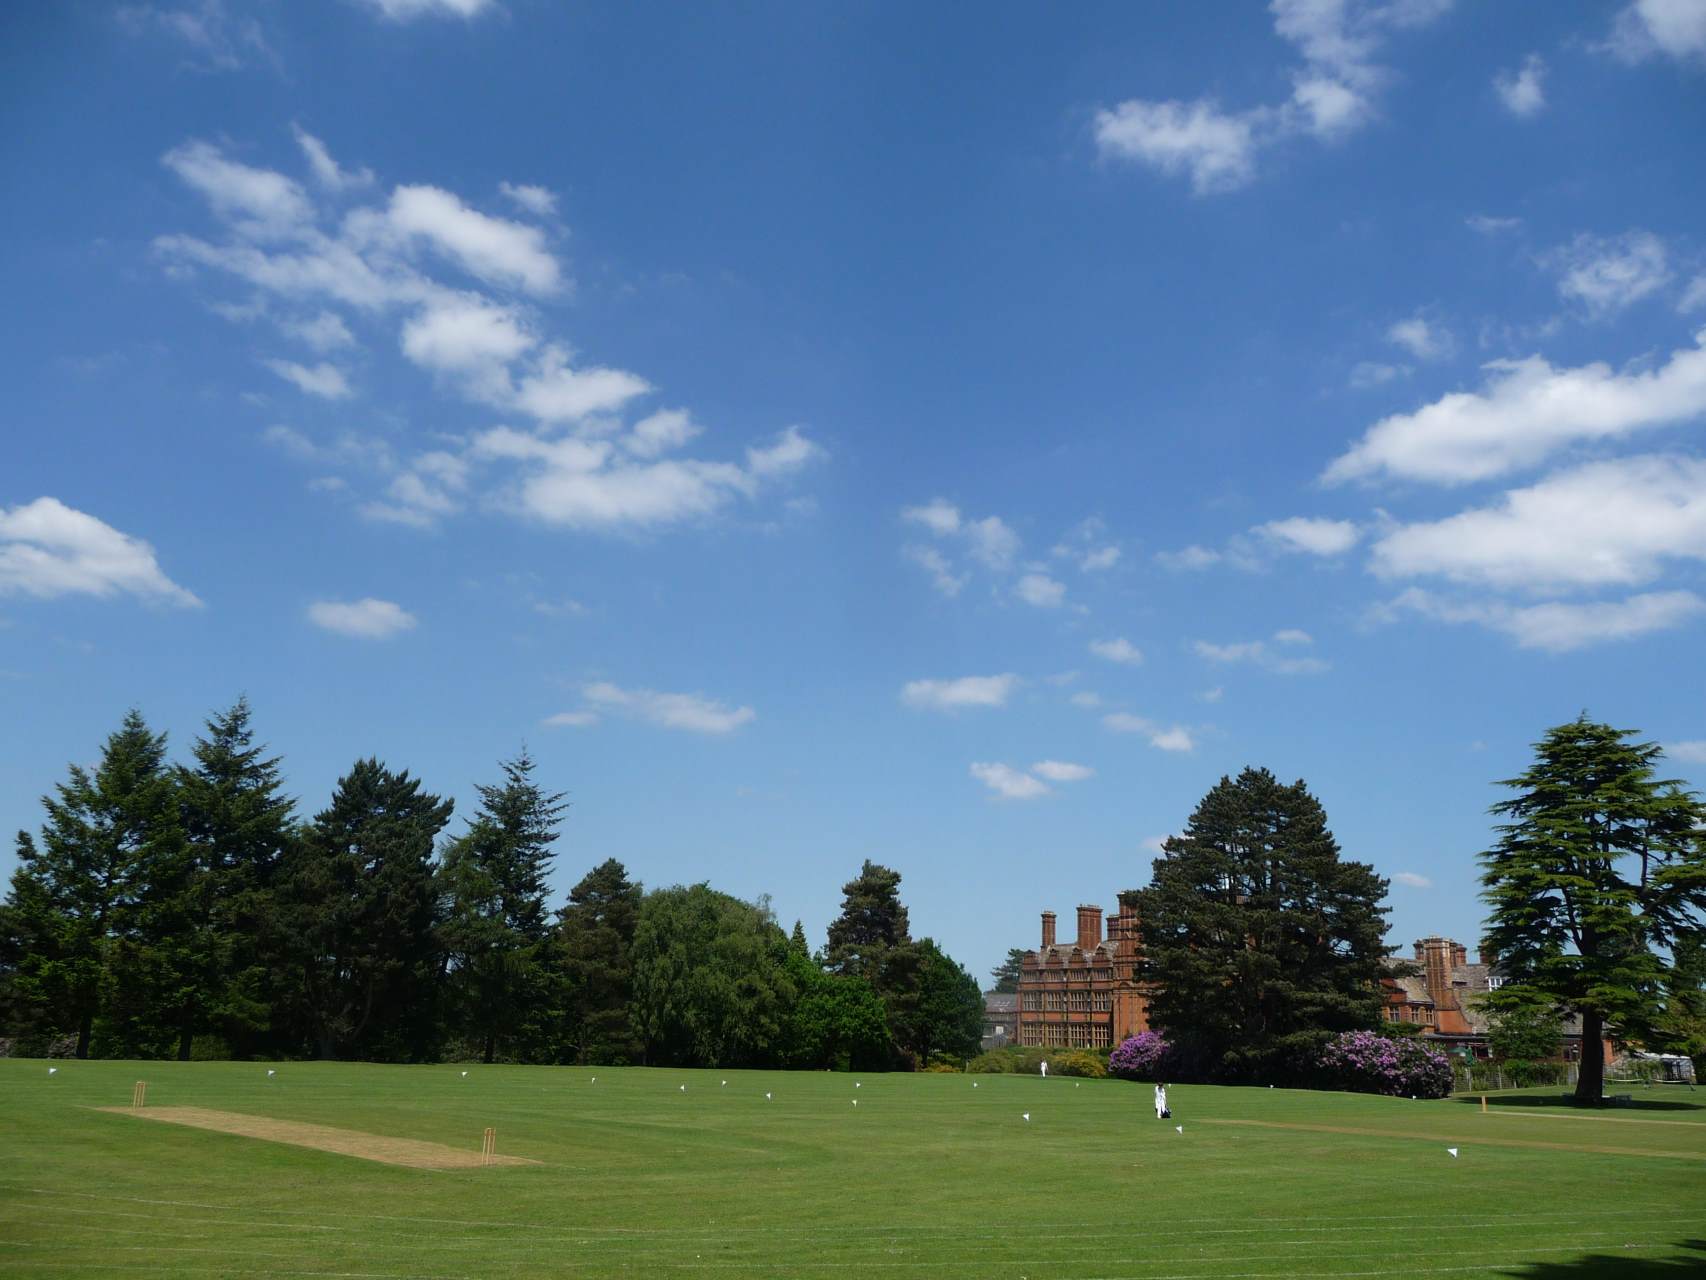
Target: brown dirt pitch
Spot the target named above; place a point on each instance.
(343, 1142)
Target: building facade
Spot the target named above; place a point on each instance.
(1083, 994)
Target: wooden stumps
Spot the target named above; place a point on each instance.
(488, 1145)
(139, 1095)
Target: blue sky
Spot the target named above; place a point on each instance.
(830, 432)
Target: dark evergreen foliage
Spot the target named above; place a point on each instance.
(872, 921)
(1006, 974)
(1263, 941)
(1600, 866)
(361, 907)
(592, 958)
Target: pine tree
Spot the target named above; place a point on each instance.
(934, 1005)
(592, 953)
(1006, 974)
(872, 921)
(239, 828)
(1600, 866)
(360, 902)
(495, 881)
(98, 904)
(1262, 941)
(797, 940)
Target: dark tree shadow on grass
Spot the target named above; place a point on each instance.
(1688, 1260)
(1553, 1102)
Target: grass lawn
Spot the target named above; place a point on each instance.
(926, 1177)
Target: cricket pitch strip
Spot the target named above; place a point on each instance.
(344, 1142)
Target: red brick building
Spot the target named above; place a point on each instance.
(1083, 994)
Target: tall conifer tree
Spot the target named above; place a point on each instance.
(593, 957)
(1600, 865)
(1262, 940)
(495, 880)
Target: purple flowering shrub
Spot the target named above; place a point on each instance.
(1142, 1057)
(1366, 1062)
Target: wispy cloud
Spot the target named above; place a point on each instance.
(691, 712)
(48, 549)
(967, 691)
(365, 619)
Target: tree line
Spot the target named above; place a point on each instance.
(184, 910)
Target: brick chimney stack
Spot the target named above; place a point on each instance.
(1459, 955)
(1089, 928)
(1048, 929)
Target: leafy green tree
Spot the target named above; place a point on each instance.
(497, 926)
(1006, 974)
(1525, 1033)
(1599, 865)
(361, 903)
(934, 1005)
(239, 826)
(837, 1022)
(711, 983)
(1262, 940)
(95, 912)
(797, 940)
(593, 961)
(872, 921)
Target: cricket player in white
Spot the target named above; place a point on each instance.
(1160, 1101)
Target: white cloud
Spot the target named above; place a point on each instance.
(1694, 296)
(323, 332)
(1333, 95)
(1163, 738)
(1528, 410)
(554, 393)
(324, 380)
(48, 549)
(425, 493)
(1676, 28)
(260, 203)
(1605, 274)
(967, 691)
(992, 541)
(662, 432)
(1421, 338)
(788, 452)
(1522, 92)
(492, 249)
(1040, 590)
(1489, 225)
(1412, 879)
(1191, 558)
(1062, 771)
(221, 42)
(1119, 649)
(1314, 536)
(689, 711)
(1008, 782)
(1557, 627)
(536, 200)
(937, 566)
(938, 515)
(1099, 559)
(407, 10)
(1257, 653)
(1212, 695)
(1086, 699)
(1693, 752)
(571, 720)
(468, 336)
(1610, 523)
(325, 169)
(1215, 148)
(366, 619)
(1366, 374)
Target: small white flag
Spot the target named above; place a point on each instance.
(855, 1102)
(464, 1073)
(1453, 1152)
(684, 1088)
(53, 1071)
(974, 1084)
(595, 1079)
(1075, 1084)
(1027, 1115)
(856, 1084)
(725, 1083)
(271, 1072)
(767, 1097)
(1179, 1127)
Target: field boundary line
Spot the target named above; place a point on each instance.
(1461, 1138)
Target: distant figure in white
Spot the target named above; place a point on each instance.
(1044, 1069)
(1160, 1102)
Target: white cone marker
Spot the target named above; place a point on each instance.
(1179, 1127)
(271, 1073)
(1452, 1151)
(725, 1084)
(1027, 1115)
(767, 1097)
(857, 1085)
(465, 1075)
(53, 1071)
(684, 1088)
(974, 1084)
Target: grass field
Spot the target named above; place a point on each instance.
(927, 1176)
